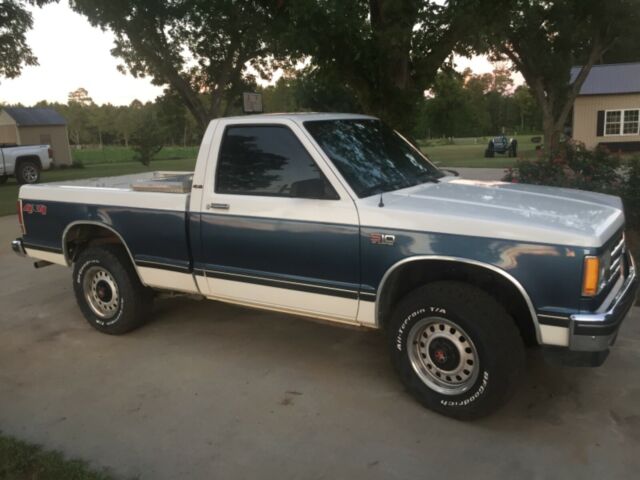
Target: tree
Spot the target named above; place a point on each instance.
(147, 139)
(386, 51)
(15, 21)
(199, 48)
(528, 109)
(544, 39)
(309, 89)
(81, 97)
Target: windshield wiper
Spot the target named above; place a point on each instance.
(429, 177)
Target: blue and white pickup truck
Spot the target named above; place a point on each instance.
(338, 217)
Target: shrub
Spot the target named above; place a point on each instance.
(577, 167)
(77, 163)
(630, 192)
(146, 140)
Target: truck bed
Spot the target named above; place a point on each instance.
(152, 190)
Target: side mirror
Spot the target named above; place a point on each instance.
(317, 188)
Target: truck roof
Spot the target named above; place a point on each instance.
(305, 116)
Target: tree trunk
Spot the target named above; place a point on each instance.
(551, 135)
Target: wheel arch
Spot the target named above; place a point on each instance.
(79, 234)
(511, 294)
(26, 158)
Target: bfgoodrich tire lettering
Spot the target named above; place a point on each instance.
(456, 349)
(108, 290)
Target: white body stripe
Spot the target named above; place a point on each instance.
(552, 335)
(367, 314)
(166, 279)
(57, 258)
(327, 307)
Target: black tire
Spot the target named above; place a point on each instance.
(105, 278)
(3, 179)
(480, 322)
(490, 151)
(27, 171)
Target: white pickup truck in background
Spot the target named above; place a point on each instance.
(25, 162)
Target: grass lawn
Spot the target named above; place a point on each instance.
(466, 153)
(22, 461)
(110, 154)
(9, 191)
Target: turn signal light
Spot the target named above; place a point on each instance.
(590, 276)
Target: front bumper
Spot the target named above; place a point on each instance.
(18, 247)
(596, 332)
(591, 334)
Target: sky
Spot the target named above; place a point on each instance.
(74, 54)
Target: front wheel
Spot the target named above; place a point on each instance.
(456, 349)
(108, 290)
(27, 171)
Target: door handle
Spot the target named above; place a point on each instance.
(218, 206)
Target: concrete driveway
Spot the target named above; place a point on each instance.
(209, 390)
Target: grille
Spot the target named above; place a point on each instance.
(617, 260)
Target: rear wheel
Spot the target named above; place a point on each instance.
(27, 171)
(109, 292)
(456, 349)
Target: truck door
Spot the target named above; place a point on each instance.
(277, 228)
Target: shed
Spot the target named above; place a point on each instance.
(607, 109)
(36, 126)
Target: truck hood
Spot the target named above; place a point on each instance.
(502, 210)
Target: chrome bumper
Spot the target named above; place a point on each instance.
(595, 332)
(18, 247)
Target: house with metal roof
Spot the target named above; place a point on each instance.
(607, 109)
(36, 126)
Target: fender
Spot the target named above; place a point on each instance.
(487, 266)
(97, 224)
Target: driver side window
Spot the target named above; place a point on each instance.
(268, 160)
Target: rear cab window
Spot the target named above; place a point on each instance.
(268, 160)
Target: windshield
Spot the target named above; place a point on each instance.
(372, 157)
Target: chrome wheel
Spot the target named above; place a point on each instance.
(30, 173)
(443, 355)
(101, 292)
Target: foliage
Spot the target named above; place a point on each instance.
(386, 51)
(464, 104)
(574, 166)
(147, 139)
(20, 460)
(630, 192)
(544, 39)
(15, 22)
(198, 48)
(309, 89)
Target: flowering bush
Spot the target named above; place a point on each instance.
(596, 170)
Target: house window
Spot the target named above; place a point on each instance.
(622, 122)
(631, 122)
(612, 122)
